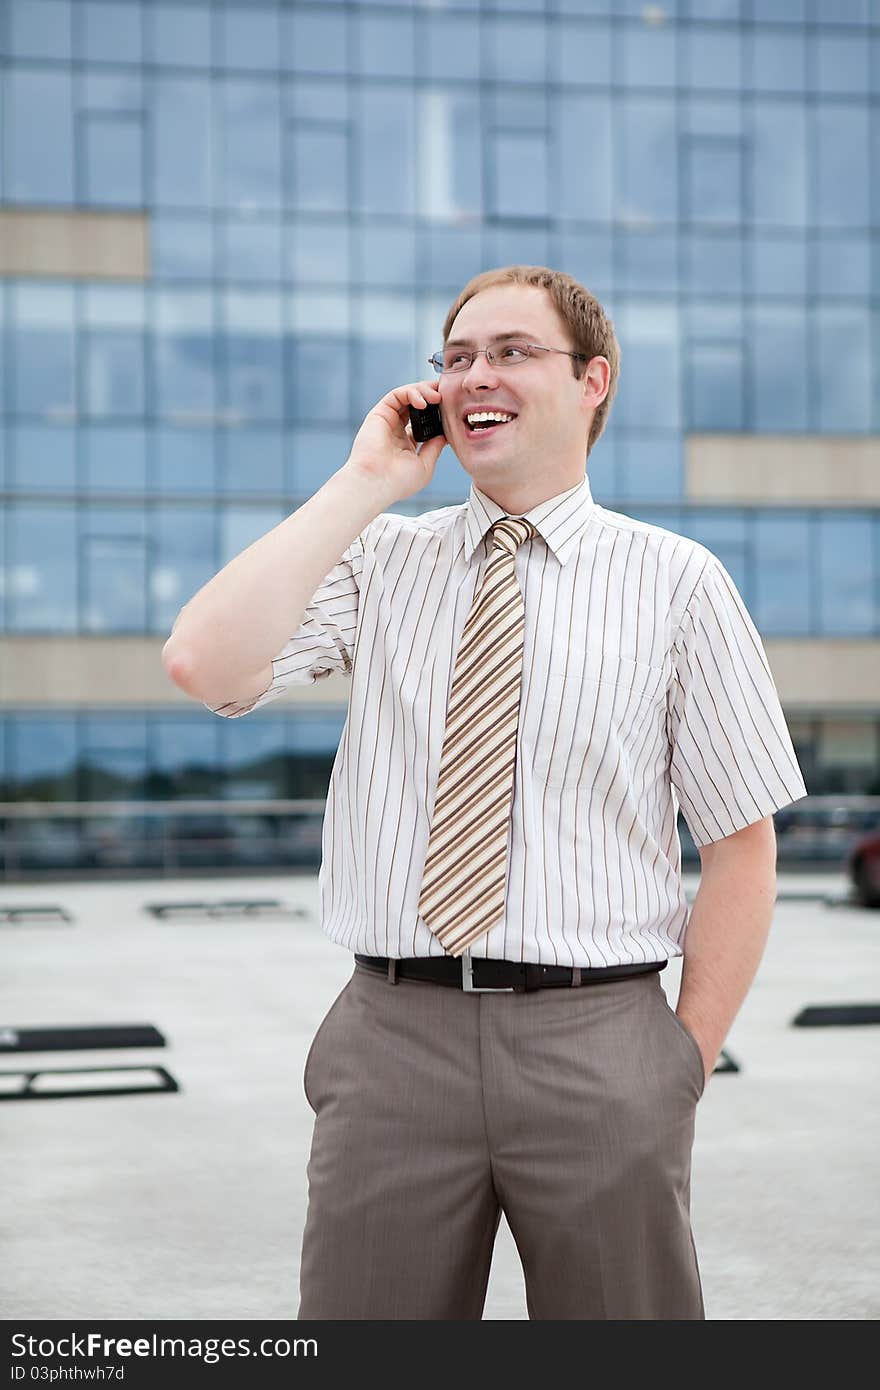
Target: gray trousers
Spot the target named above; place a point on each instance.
(572, 1110)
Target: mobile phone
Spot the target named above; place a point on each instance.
(425, 423)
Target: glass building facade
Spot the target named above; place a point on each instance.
(315, 183)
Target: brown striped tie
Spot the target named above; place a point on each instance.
(465, 876)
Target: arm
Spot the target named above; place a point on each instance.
(727, 931)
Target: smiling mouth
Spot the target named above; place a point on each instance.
(476, 431)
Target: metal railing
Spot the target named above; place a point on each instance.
(166, 838)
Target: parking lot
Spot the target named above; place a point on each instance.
(191, 1204)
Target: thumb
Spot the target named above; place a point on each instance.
(432, 449)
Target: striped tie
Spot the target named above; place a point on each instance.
(465, 877)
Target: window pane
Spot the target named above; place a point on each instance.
(716, 386)
(314, 41)
(847, 581)
(384, 45)
(113, 371)
(843, 191)
(449, 46)
(647, 55)
(183, 347)
(780, 264)
(181, 125)
(182, 247)
(320, 173)
(779, 61)
(38, 137)
(387, 343)
(449, 168)
(186, 460)
(839, 62)
(249, 35)
(181, 33)
(39, 28)
(777, 367)
(42, 458)
(778, 169)
(712, 57)
(251, 250)
(517, 50)
(584, 183)
(646, 176)
(386, 149)
(253, 460)
(387, 255)
(714, 173)
(42, 349)
(843, 265)
(319, 382)
(650, 345)
(114, 172)
(115, 578)
(715, 263)
(648, 261)
(318, 249)
(185, 549)
(783, 547)
(111, 32)
(250, 144)
(113, 459)
(251, 343)
(843, 396)
(42, 568)
(519, 177)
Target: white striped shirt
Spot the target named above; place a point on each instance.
(645, 685)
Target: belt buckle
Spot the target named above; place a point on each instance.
(467, 979)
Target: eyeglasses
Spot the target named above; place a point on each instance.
(508, 354)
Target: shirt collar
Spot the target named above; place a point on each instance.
(561, 520)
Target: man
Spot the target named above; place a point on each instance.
(537, 684)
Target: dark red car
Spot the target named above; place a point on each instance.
(863, 868)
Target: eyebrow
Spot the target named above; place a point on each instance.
(513, 333)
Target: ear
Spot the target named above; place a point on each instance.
(597, 379)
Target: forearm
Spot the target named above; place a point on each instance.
(727, 931)
(242, 617)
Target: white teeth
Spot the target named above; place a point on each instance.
(489, 415)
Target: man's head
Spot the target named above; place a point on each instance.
(560, 402)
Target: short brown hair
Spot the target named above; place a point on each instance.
(591, 329)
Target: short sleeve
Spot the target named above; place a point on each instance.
(325, 639)
(732, 759)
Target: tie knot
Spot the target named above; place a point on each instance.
(509, 532)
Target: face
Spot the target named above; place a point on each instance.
(542, 451)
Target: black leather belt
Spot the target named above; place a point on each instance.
(499, 976)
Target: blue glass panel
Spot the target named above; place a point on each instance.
(450, 256)
(779, 12)
(779, 264)
(646, 170)
(583, 180)
(648, 261)
(114, 168)
(183, 345)
(43, 752)
(254, 461)
(318, 249)
(778, 193)
(778, 379)
(250, 140)
(716, 379)
(42, 349)
(715, 179)
(250, 250)
(250, 35)
(386, 152)
(387, 347)
(182, 247)
(839, 63)
(842, 191)
(843, 265)
(180, 34)
(314, 42)
(843, 395)
(182, 141)
(647, 55)
(784, 545)
(114, 569)
(779, 61)
(725, 533)
(449, 46)
(38, 28)
(449, 168)
(518, 245)
(319, 177)
(185, 558)
(242, 523)
(384, 45)
(42, 458)
(186, 460)
(42, 552)
(712, 58)
(114, 756)
(110, 31)
(650, 388)
(519, 182)
(113, 372)
(702, 116)
(588, 257)
(313, 455)
(315, 100)
(515, 49)
(651, 466)
(714, 263)
(387, 255)
(714, 9)
(252, 347)
(319, 361)
(119, 89)
(855, 12)
(38, 137)
(847, 575)
(113, 459)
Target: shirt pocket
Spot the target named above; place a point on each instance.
(600, 711)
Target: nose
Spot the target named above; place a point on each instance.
(480, 371)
